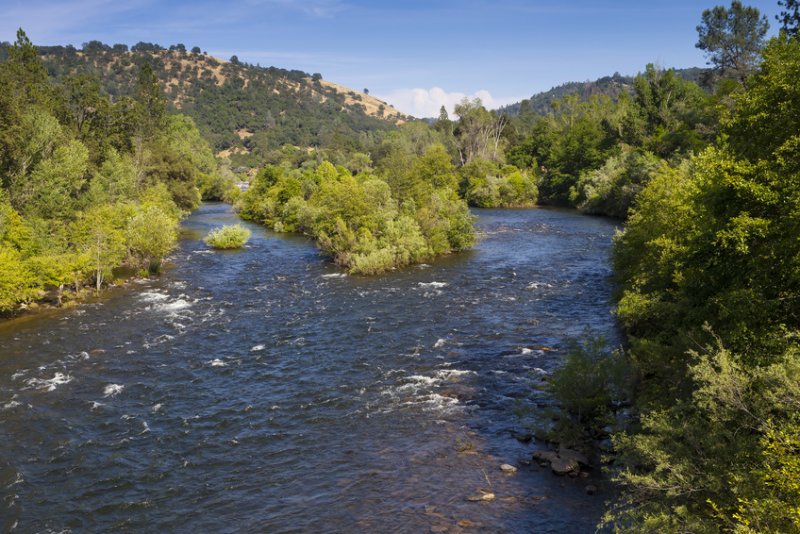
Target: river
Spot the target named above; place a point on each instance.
(261, 390)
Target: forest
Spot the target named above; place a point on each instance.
(702, 166)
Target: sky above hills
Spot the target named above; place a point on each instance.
(416, 54)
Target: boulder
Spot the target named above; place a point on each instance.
(569, 454)
(564, 466)
(545, 456)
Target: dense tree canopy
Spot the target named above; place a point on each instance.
(88, 184)
(709, 264)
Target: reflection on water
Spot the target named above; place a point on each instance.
(262, 390)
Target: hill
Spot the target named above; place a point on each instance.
(239, 107)
(613, 86)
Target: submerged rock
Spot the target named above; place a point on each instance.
(545, 457)
(564, 466)
(524, 437)
(573, 455)
(508, 469)
(563, 462)
(481, 497)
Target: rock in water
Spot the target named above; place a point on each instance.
(508, 469)
(591, 489)
(545, 456)
(524, 437)
(569, 454)
(564, 466)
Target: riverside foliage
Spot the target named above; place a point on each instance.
(709, 265)
(89, 185)
(228, 237)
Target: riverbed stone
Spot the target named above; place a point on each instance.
(569, 454)
(508, 469)
(524, 437)
(564, 466)
(591, 489)
(545, 456)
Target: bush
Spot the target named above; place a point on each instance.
(586, 387)
(228, 237)
(612, 189)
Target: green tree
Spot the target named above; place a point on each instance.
(99, 233)
(152, 105)
(733, 38)
(790, 16)
(151, 235)
(51, 189)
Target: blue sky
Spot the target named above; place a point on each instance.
(416, 54)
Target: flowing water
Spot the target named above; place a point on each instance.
(261, 390)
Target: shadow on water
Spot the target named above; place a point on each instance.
(263, 390)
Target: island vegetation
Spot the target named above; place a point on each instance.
(228, 237)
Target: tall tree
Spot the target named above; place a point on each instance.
(733, 38)
(790, 16)
(478, 131)
(152, 103)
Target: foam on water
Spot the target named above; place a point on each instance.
(112, 390)
(49, 384)
(19, 374)
(334, 275)
(433, 285)
(257, 348)
(11, 404)
(439, 343)
(216, 362)
(538, 285)
(175, 305)
(450, 374)
(153, 296)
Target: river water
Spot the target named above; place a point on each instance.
(261, 390)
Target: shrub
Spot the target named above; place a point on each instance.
(228, 237)
(585, 387)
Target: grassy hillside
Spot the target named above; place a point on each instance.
(239, 108)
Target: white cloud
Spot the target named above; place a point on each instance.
(427, 102)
